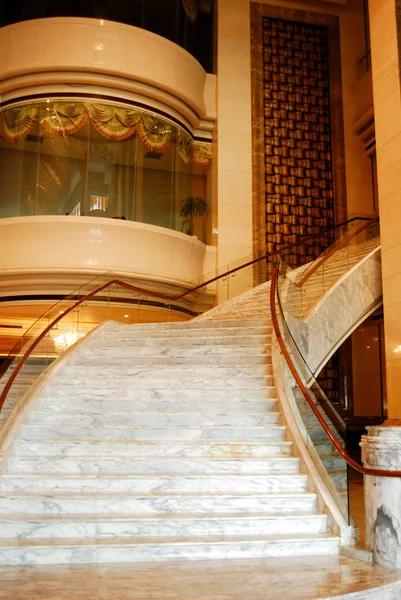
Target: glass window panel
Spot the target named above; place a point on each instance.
(63, 168)
(157, 185)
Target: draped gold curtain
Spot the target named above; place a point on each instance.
(113, 122)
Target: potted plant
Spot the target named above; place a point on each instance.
(192, 207)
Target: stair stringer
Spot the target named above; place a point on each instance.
(13, 422)
(343, 307)
(329, 501)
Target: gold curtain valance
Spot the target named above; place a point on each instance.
(115, 123)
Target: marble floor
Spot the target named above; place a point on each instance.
(306, 578)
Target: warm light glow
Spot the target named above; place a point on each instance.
(63, 341)
(126, 316)
(398, 349)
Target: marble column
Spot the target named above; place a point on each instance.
(381, 449)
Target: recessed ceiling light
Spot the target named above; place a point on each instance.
(61, 312)
(126, 316)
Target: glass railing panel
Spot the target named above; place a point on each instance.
(349, 249)
(301, 289)
(44, 346)
(323, 452)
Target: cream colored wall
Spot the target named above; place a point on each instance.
(86, 245)
(366, 376)
(387, 109)
(132, 62)
(234, 118)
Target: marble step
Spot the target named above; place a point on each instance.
(333, 462)
(130, 433)
(196, 394)
(28, 371)
(339, 478)
(325, 449)
(148, 419)
(254, 314)
(183, 342)
(127, 503)
(228, 382)
(189, 370)
(318, 434)
(150, 465)
(204, 332)
(205, 407)
(158, 352)
(192, 324)
(111, 526)
(146, 483)
(147, 448)
(123, 360)
(21, 379)
(122, 550)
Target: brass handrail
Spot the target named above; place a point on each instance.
(156, 294)
(348, 459)
(332, 250)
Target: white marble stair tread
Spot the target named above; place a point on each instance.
(207, 332)
(153, 502)
(142, 549)
(258, 382)
(233, 323)
(208, 407)
(150, 465)
(130, 433)
(144, 483)
(197, 361)
(194, 324)
(189, 419)
(160, 393)
(202, 352)
(181, 342)
(78, 526)
(182, 448)
(186, 370)
(332, 461)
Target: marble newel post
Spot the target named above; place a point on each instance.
(381, 448)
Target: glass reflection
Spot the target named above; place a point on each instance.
(101, 160)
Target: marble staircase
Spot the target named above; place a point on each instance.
(161, 442)
(24, 381)
(165, 442)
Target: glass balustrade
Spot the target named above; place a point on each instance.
(299, 292)
(92, 159)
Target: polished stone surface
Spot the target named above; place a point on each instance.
(269, 579)
(381, 448)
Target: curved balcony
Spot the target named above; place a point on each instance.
(46, 56)
(186, 24)
(104, 160)
(43, 245)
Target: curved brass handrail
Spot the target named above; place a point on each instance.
(332, 250)
(348, 459)
(280, 250)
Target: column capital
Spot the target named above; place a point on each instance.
(381, 446)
